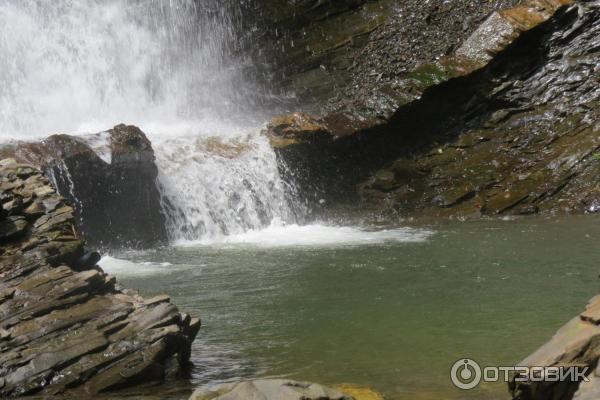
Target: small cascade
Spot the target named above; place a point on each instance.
(214, 186)
(60, 177)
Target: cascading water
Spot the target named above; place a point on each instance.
(80, 66)
(75, 65)
(221, 187)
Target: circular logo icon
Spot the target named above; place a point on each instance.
(465, 374)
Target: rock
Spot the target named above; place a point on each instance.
(4, 334)
(513, 134)
(385, 181)
(331, 53)
(359, 392)
(12, 227)
(34, 210)
(64, 327)
(295, 128)
(575, 344)
(502, 27)
(270, 389)
(101, 181)
(473, 105)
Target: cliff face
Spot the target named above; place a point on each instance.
(64, 326)
(334, 53)
(109, 178)
(504, 125)
(519, 136)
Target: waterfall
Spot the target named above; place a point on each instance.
(214, 188)
(170, 67)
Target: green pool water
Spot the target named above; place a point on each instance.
(391, 315)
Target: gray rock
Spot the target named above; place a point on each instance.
(577, 343)
(270, 389)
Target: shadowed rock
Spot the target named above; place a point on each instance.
(109, 178)
(505, 126)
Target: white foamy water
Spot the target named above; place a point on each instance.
(274, 236)
(118, 266)
(83, 66)
(278, 235)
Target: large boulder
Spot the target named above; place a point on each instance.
(109, 177)
(65, 328)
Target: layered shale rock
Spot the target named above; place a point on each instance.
(577, 344)
(329, 53)
(505, 125)
(103, 175)
(520, 136)
(64, 326)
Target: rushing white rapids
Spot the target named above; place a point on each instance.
(80, 66)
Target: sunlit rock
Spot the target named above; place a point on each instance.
(270, 389)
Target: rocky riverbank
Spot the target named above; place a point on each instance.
(65, 325)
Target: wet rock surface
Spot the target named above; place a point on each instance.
(109, 178)
(524, 138)
(512, 129)
(329, 53)
(65, 327)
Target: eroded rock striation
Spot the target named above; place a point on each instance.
(507, 124)
(522, 136)
(102, 175)
(64, 325)
(347, 52)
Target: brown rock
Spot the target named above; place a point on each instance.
(295, 128)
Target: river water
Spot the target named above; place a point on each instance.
(392, 309)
